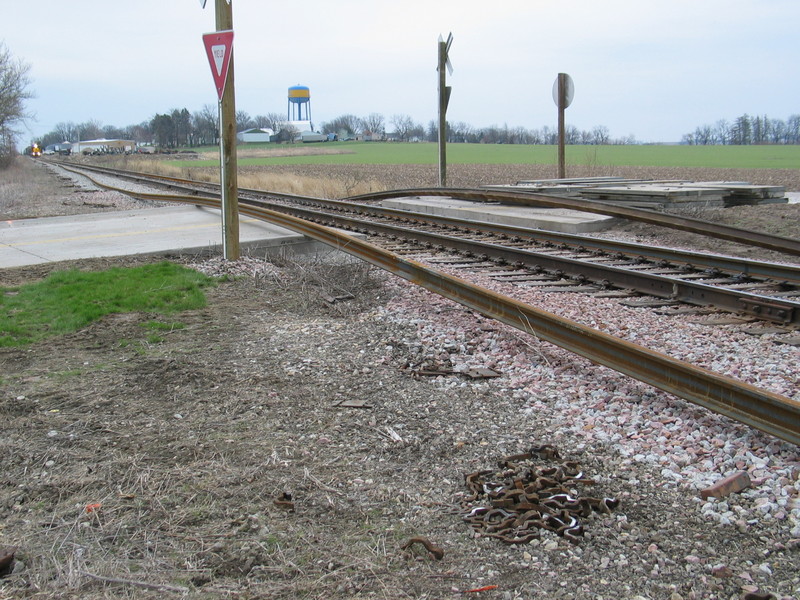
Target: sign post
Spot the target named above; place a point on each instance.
(563, 91)
(219, 48)
(444, 99)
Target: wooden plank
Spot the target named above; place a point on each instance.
(661, 191)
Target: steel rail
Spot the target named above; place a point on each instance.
(772, 413)
(751, 268)
(707, 228)
(690, 292)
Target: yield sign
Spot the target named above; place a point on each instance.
(219, 48)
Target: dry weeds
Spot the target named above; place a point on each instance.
(350, 183)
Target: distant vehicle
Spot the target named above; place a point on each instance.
(36, 152)
(310, 136)
(64, 149)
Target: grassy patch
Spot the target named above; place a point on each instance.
(68, 300)
(385, 153)
(161, 326)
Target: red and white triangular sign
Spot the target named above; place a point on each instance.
(219, 48)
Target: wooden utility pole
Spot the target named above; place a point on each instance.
(562, 102)
(227, 148)
(444, 99)
(563, 91)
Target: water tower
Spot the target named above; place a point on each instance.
(299, 98)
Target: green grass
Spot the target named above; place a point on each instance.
(161, 326)
(395, 153)
(68, 300)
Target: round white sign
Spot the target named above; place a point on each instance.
(568, 93)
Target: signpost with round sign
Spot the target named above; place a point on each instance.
(563, 92)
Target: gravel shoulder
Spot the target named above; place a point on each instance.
(132, 460)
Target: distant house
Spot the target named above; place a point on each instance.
(256, 135)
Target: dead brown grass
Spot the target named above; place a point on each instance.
(25, 193)
(281, 151)
(16, 185)
(345, 184)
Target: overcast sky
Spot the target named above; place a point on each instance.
(654, 69)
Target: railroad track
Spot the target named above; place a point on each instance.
(769, 412)
(553, 261)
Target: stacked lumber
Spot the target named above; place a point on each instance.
(656, 194)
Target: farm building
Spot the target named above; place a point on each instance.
(103, 145)
(256, 135)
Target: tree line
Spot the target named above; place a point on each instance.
(406, 129)
(746, 130)
(180, 128)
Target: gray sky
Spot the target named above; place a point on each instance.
(654, 69)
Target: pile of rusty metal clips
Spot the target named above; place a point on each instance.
(515, 503)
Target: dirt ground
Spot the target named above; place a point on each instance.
(216, 460)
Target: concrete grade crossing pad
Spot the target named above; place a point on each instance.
(143, 231)
(552, 219)
(192, 229)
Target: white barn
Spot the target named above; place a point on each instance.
(255, 135)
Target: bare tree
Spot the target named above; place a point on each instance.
(373, 124)
(792, 135)
(243, 121)
(206, 125)
(703, 136)
(520, 135)
(111, 132)
(141, 133)
(14, 82)
(777, 131)
(432, 132)
(66, 132)
(344, 125)
(600, 135)
(417, 132)
(722, 132)
(268, 121)
(549, 136)
(571, 135)
(90, 130)
(272, 120)
(456, 132)
(288, 133)
(403, 126)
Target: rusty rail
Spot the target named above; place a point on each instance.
(707, 228)
(772, 413)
